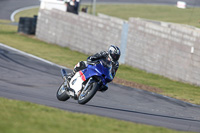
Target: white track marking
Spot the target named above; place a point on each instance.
(12, 16)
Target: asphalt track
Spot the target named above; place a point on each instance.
(28, 79)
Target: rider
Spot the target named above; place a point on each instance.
(113, 55)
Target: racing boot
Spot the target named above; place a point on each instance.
(67, 79)
(70, 76)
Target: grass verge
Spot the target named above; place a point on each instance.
(189, 16)
(25, 117)
(26, 13)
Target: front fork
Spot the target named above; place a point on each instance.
(85, 88)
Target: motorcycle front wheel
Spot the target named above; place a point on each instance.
(61, 93)
(87, 95)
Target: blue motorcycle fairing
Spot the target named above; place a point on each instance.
(100, 70)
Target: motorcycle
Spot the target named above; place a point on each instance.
(85, 83)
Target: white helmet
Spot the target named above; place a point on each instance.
(114, 53)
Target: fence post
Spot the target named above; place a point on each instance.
(124, 36)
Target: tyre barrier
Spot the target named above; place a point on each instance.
(27, 25)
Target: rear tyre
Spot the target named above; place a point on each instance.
(61, 93)
(87, 95)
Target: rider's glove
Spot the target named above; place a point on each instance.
(89, 59)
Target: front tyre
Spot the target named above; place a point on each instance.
(61, 93)
(87, 95)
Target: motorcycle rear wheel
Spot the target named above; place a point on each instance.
(87, 95)
(61, 93)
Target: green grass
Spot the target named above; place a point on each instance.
(26, 13)
(189, 16)
(25, 117)
(54, 53)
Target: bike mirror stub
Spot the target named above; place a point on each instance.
(63, 72)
